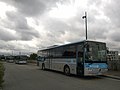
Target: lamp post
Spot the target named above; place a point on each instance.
(85, 17)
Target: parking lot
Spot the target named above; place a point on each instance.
(30, 77)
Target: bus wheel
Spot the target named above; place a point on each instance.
(66, 70)
(43, 66)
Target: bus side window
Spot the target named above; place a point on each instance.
(69, 51)
(40, 59)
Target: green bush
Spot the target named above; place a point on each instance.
(2, 69)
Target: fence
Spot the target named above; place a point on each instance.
(114, 65)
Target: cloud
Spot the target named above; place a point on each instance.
(112, 11)
(6, 35)
(48, 22)
(115, 35)
(17, 20)
(31, 8)
(18, 23)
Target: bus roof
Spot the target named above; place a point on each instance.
(56, 46)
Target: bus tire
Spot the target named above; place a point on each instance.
(67, 70)
(43, 66)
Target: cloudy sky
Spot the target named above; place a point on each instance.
(27, 25)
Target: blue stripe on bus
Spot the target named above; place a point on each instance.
(95, 65)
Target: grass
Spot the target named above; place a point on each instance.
(2, 69)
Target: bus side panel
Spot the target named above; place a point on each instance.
(58, 65)
(47, 63)
(73, 68)
(40, 64)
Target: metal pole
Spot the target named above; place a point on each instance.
(86, 23)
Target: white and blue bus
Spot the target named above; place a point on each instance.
(86, 58)
(21, 59)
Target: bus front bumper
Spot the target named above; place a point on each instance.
(94, 71)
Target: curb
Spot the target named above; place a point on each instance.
(112, 76)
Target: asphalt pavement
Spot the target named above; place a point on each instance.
(113, 74)
(30, 77)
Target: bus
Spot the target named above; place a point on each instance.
(21, 59)
(85, 58)
(9, 59)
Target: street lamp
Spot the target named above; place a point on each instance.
(85, 17)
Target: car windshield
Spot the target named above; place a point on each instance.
(95, 51)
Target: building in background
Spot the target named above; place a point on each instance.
(118, 57)
(113, 60)
(112, 55)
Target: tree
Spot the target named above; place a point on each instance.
(33, 56)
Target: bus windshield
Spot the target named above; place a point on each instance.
(9, 57)
(95, 51)
(21, 57)
(24, 57)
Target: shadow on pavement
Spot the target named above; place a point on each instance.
(74, 76)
